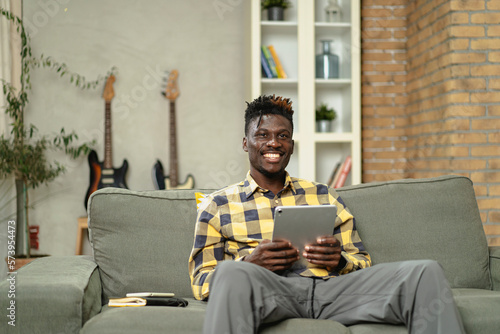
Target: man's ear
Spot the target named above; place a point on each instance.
(293, 145)
(245, 148)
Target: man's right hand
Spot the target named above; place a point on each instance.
(274, 255)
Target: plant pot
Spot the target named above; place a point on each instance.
(324, 126)
(22, 238)
(275, 13)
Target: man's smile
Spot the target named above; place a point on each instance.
(272, 156)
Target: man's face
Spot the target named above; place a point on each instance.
(269, 145)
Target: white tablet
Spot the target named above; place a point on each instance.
(303, 224)
(150, 294)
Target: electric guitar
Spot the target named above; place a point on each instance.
(102, 174)
(171, 181)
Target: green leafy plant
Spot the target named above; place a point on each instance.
(23, 152)
(325, 113)
(265, 4)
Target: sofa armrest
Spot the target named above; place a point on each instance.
(495, 267)
(50, 295)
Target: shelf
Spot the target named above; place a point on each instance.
(325, 27)
(278, 24)
(325, 137)
(333, 137)
(333, 82)
(280, 82)
(297, 42)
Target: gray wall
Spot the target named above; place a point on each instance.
(206, 41)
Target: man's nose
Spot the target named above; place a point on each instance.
(273, 141)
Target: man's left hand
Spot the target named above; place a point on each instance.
(325, 252)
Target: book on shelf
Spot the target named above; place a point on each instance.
(270, 61)
(279, 67)
(345, 169)
(266, 71)
(333, 175)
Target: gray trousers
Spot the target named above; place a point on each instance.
(414, 293)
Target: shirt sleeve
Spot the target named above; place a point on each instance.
(345, 231)
(208, 249)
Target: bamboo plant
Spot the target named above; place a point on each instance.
(23, 151)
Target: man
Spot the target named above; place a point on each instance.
(252, 280)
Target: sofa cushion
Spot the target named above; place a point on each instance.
(148, 319)
(153, 319)
(480, 309)
(142, 240)
(435, 218)
(378, 329)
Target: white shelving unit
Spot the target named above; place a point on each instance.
(297, 42)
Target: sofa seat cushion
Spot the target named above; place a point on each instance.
(148, 319)
(157, 319)
(378, 329)
(480, 309)
(301, 326)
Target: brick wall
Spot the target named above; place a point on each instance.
(431, 100)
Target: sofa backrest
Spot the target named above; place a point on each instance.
(435, 218)
(142, 240)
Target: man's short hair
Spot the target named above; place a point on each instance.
(265, 105)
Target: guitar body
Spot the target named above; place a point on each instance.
(163, 182)
(101, 177)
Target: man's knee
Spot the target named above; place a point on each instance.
(429, 266)
(234, 271)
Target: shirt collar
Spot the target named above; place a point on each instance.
(250, 185)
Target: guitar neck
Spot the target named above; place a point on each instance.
(173, 147)
(108, 154)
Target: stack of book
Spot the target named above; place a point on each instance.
(271, 64)
(340, 173)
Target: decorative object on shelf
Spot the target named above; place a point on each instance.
(324, 118)
(23, 154)
(333, 11)
(327, 63)
(275, 9)
(271, 64)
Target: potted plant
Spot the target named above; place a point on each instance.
(324, 118)
(23, 152)
(275, 8)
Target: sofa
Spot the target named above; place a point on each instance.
(141, 242)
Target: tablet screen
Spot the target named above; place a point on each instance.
(303, 224)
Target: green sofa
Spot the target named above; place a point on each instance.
(141, 242)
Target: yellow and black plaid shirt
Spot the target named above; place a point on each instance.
(232, 221)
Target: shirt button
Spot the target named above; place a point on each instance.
(276, 201)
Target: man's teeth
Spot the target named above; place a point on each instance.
(272, 155)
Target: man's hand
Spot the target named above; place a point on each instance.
(325, 252)
(274, 255)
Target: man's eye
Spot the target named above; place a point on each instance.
(261, 135)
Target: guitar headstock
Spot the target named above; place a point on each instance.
(172, 91)
(109, 92)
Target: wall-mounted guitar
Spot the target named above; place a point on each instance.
(102, 174)
(159, 179)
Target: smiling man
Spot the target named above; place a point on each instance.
(248, 279)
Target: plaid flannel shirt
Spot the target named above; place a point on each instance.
(232, 221)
